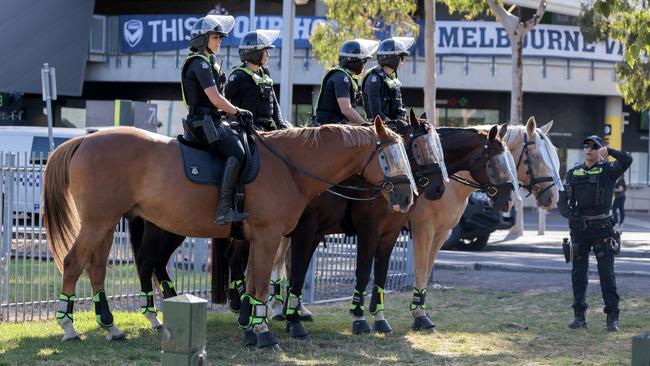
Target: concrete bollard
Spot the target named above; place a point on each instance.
(641, 349)
(184, 331)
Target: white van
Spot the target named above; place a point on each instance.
(28, 148)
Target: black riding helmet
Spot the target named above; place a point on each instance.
(354, 54)
(253, 44)
(391, 50)
(204, 27)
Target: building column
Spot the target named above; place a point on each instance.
(614, 118)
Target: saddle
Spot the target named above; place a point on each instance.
(202, 166)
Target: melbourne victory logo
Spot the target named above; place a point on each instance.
(133, 30)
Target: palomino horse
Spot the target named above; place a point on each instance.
(431, 221)
(377, 229)
(92, 181)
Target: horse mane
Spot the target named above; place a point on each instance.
(353, 136)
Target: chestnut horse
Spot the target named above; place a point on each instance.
(377, 229)
(431, 221)
(93, 180)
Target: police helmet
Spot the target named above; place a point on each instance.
(354, 54)
(391, 51)
(253, 44)
(209, 25)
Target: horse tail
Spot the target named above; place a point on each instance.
(59, 213)
(220, 270)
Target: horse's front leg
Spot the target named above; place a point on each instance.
(366, 247)
(278, 280)
(263, 247)
(423, 234)
(377, 301)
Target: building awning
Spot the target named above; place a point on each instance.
(34, 32)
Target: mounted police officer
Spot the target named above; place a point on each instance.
(202, 84)
(250, 85)
(340, 92)
(382, 93)
(587, 203)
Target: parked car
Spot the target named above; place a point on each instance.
(479, 220)
(29, 147)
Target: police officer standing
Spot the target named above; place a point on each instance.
(201, 85)
(382, 93)
(340, 92)
(250, 86)
(587, 203)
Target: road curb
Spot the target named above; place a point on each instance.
(476, 266)
(534, 249)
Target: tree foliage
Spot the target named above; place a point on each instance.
(348, 19)
(628, 22)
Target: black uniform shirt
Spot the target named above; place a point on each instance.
(593, 193)
(198, 75)
(337, 86)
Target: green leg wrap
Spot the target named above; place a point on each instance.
(253, 312)
(65, 306)
(275, 292)
(377, 300)
(419, 296)
(167, 288)
(291, 307)
(357, 308)
(102, 312)
(147, 302)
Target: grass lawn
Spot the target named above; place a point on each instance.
(475, 327)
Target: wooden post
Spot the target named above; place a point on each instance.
(184, 330)
(641, 349)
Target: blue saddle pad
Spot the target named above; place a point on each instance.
(202, 166)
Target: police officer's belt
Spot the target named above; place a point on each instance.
(606, 215)
(199, 112)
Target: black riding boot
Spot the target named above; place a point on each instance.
(612, 321)
(579, 321)
(225, 211)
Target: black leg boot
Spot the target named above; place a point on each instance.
(579, 321)
(612, 321)
(226, 213)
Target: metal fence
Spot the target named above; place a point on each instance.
(30, 282)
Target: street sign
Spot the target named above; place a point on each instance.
(48, 83)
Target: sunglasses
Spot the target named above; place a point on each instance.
(592, 146)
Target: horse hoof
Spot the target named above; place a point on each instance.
(266, 340)
(158, 327)
(424, 323)
(72, 338)
(249, 339)
(381, 326)
(306, 318)
(278, 317)
(116, 337)
(297, 330)
(360, 327)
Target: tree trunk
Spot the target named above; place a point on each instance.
(430, 61)
(517, 92)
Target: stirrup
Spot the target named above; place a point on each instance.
(231, 216)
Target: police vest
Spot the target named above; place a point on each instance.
(591, 193)
(264, 93)
(216, 69)
(391, 102)
(354, 87)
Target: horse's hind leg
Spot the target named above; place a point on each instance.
(97, 273)
(73, 264)
(168, 245)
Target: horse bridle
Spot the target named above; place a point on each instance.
(488, 188)
(532, 186)
(387, 184)
(423, 170)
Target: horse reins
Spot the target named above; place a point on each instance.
(532, 186)
(386, 182)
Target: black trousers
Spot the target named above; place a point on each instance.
(594, 238)
(618, 209)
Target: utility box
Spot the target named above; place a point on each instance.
(184, 331)
(641, 349)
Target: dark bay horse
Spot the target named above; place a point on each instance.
(537, 167)
(92, 181)
(377, 229)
